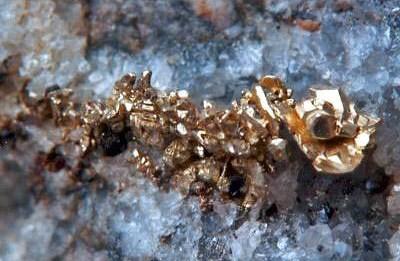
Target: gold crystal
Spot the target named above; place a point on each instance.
(326, 126)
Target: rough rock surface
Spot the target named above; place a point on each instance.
(214, 49)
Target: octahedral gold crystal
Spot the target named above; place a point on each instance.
(326, 126)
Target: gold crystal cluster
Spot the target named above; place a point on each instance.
(202, 151)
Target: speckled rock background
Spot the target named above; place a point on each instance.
(214, 49)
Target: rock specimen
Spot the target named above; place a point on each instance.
(56, 205)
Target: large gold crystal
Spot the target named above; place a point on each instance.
(326, 125)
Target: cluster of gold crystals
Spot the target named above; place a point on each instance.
(211, 150)
(55, 104)
(225, 150)
(326, 126)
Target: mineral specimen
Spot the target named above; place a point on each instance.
(99, 208)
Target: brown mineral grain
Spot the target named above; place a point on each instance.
(219, 12)
(308, 25)
(342, 5)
